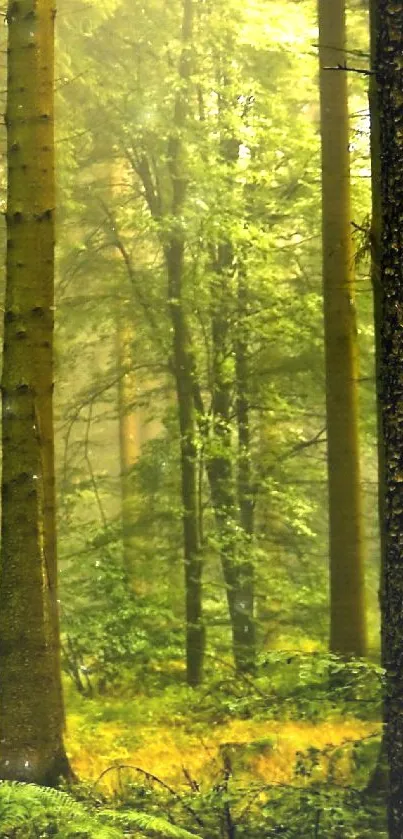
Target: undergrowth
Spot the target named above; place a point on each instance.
(285, 753)
(28, 811)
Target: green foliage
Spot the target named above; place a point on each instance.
(253, 83)
(115, 635)
(230, 807)
(293, 686)
(28, 811)
(150, 823)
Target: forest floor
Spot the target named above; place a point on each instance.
(286, 752)
(166, 737)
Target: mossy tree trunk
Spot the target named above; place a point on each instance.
(31, 705)
(389, 77)
(347, 590)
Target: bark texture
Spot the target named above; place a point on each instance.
(389, 76)
(347, 590)
(31, 705)
(379, 779)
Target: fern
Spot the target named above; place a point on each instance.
(28, 805)
(39, 808)
(150, 824)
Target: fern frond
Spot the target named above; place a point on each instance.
(150, 824)
(22, 804)
(46, 795)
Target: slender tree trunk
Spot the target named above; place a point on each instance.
(183, 367)
(347, 589)
(172, 237)
(195, 635)
(226, 475)
(31, 706)
(129, 439)
(237, 570)
(389, 76)
(221, 455)
(245, 492)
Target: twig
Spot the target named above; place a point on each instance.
(361, 72)
(150, 777)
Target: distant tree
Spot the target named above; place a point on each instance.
(250, 262)
(347, 589)
(183, 362)
(31, 704)
(129, 428)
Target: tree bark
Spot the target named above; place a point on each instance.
(31, 704)
(347, 589)
(389, 77)
(183, 367)
(378, 782)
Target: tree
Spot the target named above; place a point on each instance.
(31, 704)
(183, 363)
(260, 205)
(129, 436)
(347, 595)
(379, 778)
(389, 76)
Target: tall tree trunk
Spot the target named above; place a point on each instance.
(347, 588)
(31, 705)
(183, 367)
(245, 491)
(389, 76)
(379, 779)
(221, 462)
(195, 633)
(225, 471)
(172, 237)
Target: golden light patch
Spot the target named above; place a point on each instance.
(270, 753)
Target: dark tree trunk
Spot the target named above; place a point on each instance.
(379, 779)
(389, 74)
(183, 368)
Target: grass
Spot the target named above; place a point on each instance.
(178, 733)
(279, 754)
